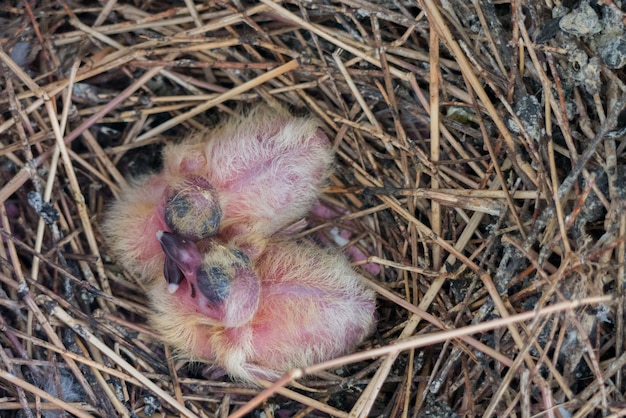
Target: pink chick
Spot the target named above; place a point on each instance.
(204, 236)
(251, 177)
(293, 305)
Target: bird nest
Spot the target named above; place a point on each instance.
(479, 171)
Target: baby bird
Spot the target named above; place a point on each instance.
(294, 305)
(225, 284)
(251, 177)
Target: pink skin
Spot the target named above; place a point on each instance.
(295, 304)
(229, 297)
(265, 170)
(241, 297)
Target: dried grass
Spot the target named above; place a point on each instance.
(458, 165)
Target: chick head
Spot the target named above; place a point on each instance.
(217, 280)
(192, 208)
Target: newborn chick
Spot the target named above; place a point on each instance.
(295, 304)
(253, 176)
(204, 235)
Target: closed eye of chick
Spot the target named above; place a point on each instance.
(225, 286)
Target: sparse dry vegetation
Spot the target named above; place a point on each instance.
(480, 163)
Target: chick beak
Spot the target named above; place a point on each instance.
(172, 274)
(181, 258)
